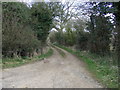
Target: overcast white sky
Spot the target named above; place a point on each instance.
(59, 0)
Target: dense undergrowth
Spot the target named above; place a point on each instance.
(14, 62)
(101, 67)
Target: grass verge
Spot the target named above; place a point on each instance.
(9, 63)
(105, 72)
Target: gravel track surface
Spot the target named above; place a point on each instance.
(57, 72)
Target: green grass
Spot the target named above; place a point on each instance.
(48, 54)
(14, 62)
(101, 67)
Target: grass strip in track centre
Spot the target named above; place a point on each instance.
(14, 62)
(104, 73)
(62, 53)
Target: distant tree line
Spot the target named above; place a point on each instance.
(26, 27)
(99, 35)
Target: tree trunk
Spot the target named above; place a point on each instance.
(41, 50)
